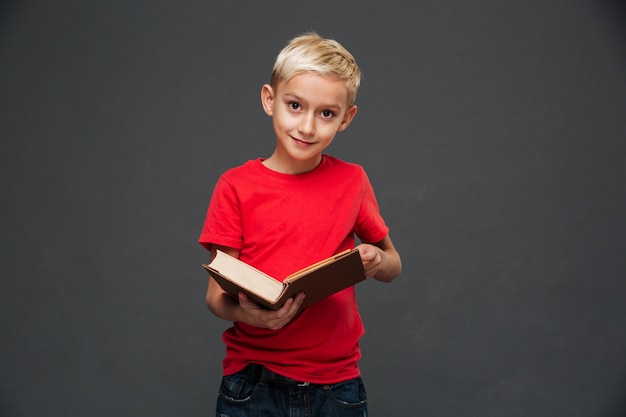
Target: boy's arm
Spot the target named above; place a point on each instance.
(381, 260)
(244, 310)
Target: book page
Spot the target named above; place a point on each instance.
(316, 265)
(247, 277)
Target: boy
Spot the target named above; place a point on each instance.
(283, 213)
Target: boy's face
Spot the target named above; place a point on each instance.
(307, 112)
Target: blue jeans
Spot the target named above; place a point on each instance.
(258, 392)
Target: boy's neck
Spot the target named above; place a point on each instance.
(275, 163)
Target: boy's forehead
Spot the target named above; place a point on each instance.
(310, 85)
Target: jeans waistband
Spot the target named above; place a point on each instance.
(259, 373)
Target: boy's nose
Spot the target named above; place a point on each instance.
(307, 124)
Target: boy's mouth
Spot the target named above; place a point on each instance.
(302, 142)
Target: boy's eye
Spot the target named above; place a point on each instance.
(294, 106)
(327, 113)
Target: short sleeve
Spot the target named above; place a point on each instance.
(222, 225)
(370, 225)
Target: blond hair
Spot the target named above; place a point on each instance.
(310, 52)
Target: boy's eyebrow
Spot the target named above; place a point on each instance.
(295, 97)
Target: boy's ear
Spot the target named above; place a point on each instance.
(267, 99)
(347, 118)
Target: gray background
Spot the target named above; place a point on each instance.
(493, 133)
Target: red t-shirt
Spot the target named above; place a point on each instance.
(281, 223)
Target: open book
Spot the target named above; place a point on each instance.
(317, 281)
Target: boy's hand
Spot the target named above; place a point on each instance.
(258, 316)
(380, 260)
(371, 258)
